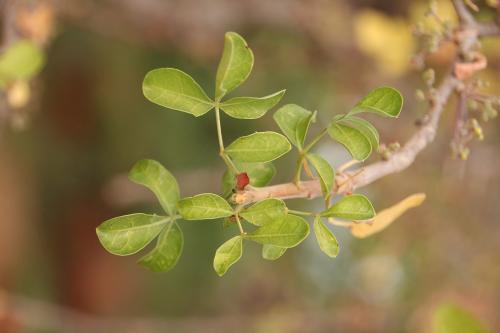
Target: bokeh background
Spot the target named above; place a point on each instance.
(65, 156)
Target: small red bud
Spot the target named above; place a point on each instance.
(242, 180)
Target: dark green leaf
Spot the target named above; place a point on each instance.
(326, 240)
(235, 65)
(258, 147)
(325, 173)
(365, 127)
(294, 122)
(264, 212)
(204, 207)
(385, 101)
(251, 107)
(168, 249)
(176, 90)
(128, 234)
(287, 232)
(351, 207)
(354, 140)
(228, 254)
(154, 176)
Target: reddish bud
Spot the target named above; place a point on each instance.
(242, 180)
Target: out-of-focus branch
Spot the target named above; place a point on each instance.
(466, 38)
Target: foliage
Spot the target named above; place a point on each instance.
(270, 222)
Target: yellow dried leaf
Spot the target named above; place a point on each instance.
(385, 217)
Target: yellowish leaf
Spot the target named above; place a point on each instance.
(385, 217)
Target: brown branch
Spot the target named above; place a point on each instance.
(467, 37)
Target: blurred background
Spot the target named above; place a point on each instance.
(64, 156)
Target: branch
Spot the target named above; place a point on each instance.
(467, 36)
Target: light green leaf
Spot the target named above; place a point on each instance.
(294, 121)
(287, 232)
(250, 107)
(351, 207)
(365, 127)
(21, 61)
(326, 240)
(204, 207)
(385, 101)
(260, 174)
(128, 234)
(258, 147)
(235, 65)
(168, 249)
(264, 212)
(271, 252)
(325, 173)
(176, 90)
(356, 143)
(228, 254)
(154, 176)
(452, 319)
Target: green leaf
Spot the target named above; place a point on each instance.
(154, 176)
(326, 240)
(294, 122)
(204, 207)
(260, 174)
(21, 61)
(258, 147)
(228, 254)
(365, 127)
(168, 250)
(265, 211)
(176, 90)
(271, 252)
(356, 143)
(325, 173)
(287, 232)
(351, 207)
(235, 65)
(250, 107)
(385, 101)
(452, 319)
(128, 234)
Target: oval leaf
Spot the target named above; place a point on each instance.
(287, 232)
(351, 207)
(356, 143)
(176, 90)
(264, 212)
(21, 61)
(294, 121)
(228, 254)
(128, 234)
(449, 318)
(385, 101)
(271, 252)
(326, 240)
(364, 127)
(385, 217)
(325, 173)
(159, 180)
(251, 107)
(235, 65)
(168, 250)
(204, 207)
(258, 147)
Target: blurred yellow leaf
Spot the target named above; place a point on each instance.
(388, 40)
(385, 217)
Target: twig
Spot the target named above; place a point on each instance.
(467, 36)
